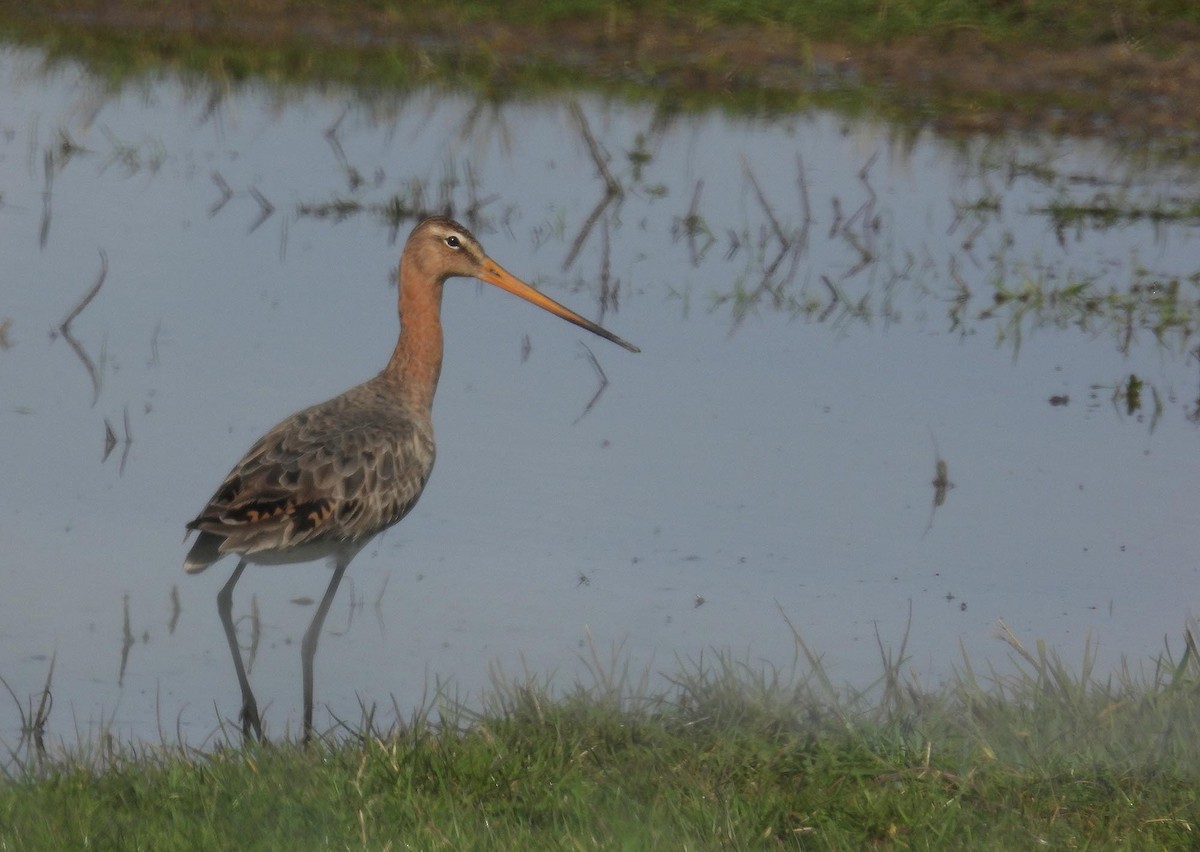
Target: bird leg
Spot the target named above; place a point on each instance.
(308, 648)
(249, 715)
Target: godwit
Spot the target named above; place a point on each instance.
(329, 478)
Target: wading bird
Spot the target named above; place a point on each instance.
(328, 479)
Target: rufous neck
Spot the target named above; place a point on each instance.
(416, 363)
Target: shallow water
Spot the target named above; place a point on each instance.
(771, 452)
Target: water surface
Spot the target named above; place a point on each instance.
(816, 300)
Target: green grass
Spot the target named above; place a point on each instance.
(744, 55)
(732, 756)
(1051, 22)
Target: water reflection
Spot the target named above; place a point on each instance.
(33, 719)
(176, 610)
(941, 482)
(126, 643)
(815, 296)
(64, 329)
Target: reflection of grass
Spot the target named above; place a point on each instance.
(1103, 211)
(1038, 171)
(337, 209)
(34, 719)
(985, 204)
(1169, 310)
(732, 755)
(400, 208)
(1129, 397)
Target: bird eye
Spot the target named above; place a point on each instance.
(453, 242)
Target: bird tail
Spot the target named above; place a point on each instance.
(204, 552)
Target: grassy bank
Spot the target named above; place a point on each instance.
(1058, 23)
(1121, 66)
(731, 757)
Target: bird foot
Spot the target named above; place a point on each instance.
(250, 722)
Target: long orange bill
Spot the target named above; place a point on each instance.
(494, 273)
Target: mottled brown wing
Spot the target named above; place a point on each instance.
(337, 472)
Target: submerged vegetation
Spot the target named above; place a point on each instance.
(983, 282)
(796, 249)
(731, 756)
(1007, 297)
